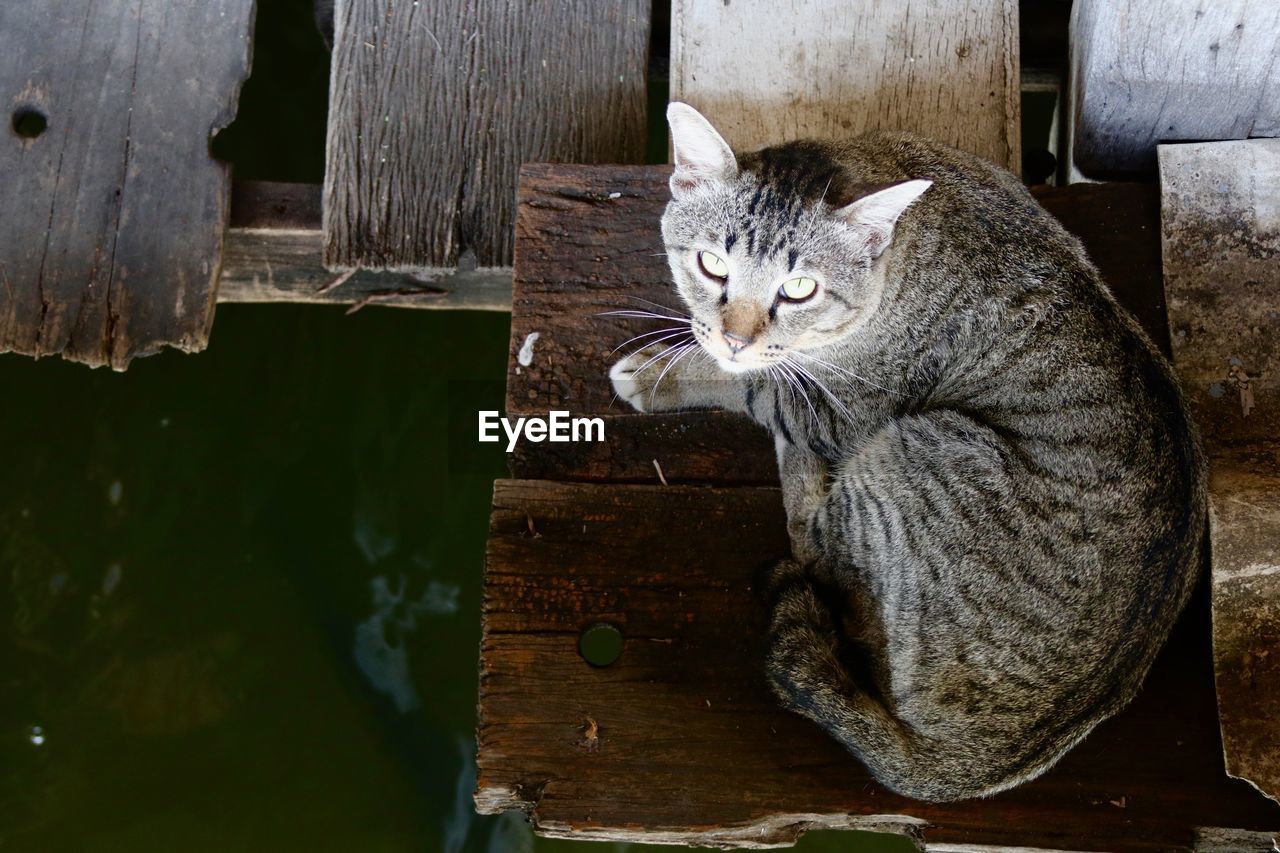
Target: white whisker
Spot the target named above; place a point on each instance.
(635, 312)
(670, 331)
(684, 350)
(659, 305)
(785, 368)
(839, 404)
(848, 373)
(666, 352)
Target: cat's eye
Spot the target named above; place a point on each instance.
(798, 289)
(713, 265)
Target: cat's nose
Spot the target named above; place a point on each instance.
(736, 343)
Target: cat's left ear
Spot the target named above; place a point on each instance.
(702, 156)
(878, 213)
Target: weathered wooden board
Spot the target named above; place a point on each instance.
(273, 254)
(113, 216)
(588, 242)
(1150, 71)
(1221, 239)
(764, 71)
(433, 106)
(680, 740)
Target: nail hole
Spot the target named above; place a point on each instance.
(601, 644)
(28, 122)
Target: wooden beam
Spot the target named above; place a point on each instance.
(273, 254)
(274, 265)
(1150, 71)
(433, 107)
(764, 72)
(588, 243)
(1221, 237)
(113, 210)
(680, 740)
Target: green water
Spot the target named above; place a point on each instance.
(241, 593)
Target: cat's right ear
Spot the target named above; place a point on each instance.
(702, 156)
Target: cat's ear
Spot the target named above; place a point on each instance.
(877, 214)
(701, 154)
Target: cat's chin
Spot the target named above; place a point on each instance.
(736, 366)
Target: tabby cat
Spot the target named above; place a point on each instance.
(995, 496)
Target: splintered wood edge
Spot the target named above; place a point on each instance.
(262, 265)
(777, 830)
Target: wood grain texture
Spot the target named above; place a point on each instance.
(1150, 71)
(113, 217)
(588, 242)
(273, 254)
(284, 265)
(764, 72)
(1221, 241)
(680, 740)
(433, 106)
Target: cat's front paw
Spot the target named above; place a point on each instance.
(644, 381)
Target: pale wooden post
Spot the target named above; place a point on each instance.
(1220, 211)
(766, 71)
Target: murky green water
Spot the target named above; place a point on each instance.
(241, 593)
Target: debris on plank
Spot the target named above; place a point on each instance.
(525, 357)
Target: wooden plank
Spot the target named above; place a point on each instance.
(1150, 71)
(767, 72)
(433, 107)
(681, 741)
(273, 254)
(114, 214)
(278, 265)
(588, 242)
(1221, 239)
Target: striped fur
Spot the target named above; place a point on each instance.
(997, 506)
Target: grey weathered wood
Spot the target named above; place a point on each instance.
(284, 265)
(111, 221)
(433, 107)
(1150, 71)
(273, 254)
(766, 71)
(1220, 209)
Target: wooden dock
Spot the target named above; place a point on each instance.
(680, 739)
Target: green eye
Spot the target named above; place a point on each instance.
(713, 265)
(798, 289)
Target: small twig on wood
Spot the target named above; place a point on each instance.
(532, 530)
(661, 478)
(383, 295)
(336, 283)
(591, 734)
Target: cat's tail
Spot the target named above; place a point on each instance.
(806, 673)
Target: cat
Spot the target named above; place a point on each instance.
(994, 492)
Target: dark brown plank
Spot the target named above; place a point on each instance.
(113, 216)
(588, 242)
(433, 107)
(688, 744)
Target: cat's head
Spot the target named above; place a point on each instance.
(775, 252)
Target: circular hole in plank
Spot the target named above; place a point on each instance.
(29, 122)
(601, 644)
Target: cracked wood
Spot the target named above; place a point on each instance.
(1221, 239)
(433, 106)
(691, 747)
(114, 215)
(763, 71)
